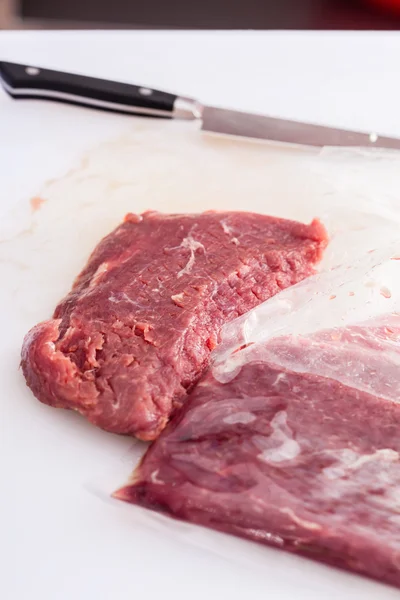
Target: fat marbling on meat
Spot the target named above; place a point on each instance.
(136, 330)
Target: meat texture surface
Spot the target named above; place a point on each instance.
(290, 459)
(136, 331)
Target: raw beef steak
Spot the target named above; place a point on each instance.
(137, 329)
(294, 460)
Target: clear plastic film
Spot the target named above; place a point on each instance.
(326, 311)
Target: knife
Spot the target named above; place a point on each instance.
(27, 81)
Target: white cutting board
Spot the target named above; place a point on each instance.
(62, 536)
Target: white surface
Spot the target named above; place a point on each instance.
(59, 539)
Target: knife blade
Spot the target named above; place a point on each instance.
(31, 82)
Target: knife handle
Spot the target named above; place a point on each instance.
(24, 81)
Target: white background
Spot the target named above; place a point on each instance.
(59, 539)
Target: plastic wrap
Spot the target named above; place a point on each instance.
(340, 300)
(292, 438)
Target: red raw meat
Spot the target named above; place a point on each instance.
(137, 329)
(291, 459)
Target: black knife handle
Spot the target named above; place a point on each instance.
(24, 81)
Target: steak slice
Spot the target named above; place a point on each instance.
(291, 459)
(137, 329)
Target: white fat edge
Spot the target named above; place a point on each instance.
(191, 244)
(116, 404)
(260, 534)
(299, 521)
(240, 417)
(213, 287)
(178, 298)
(229, 231)
(284, 446)
(280, 377)
(101, 269)
(124, 298)
(226, 228)
(154, 477)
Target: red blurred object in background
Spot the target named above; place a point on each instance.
(392, 6)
